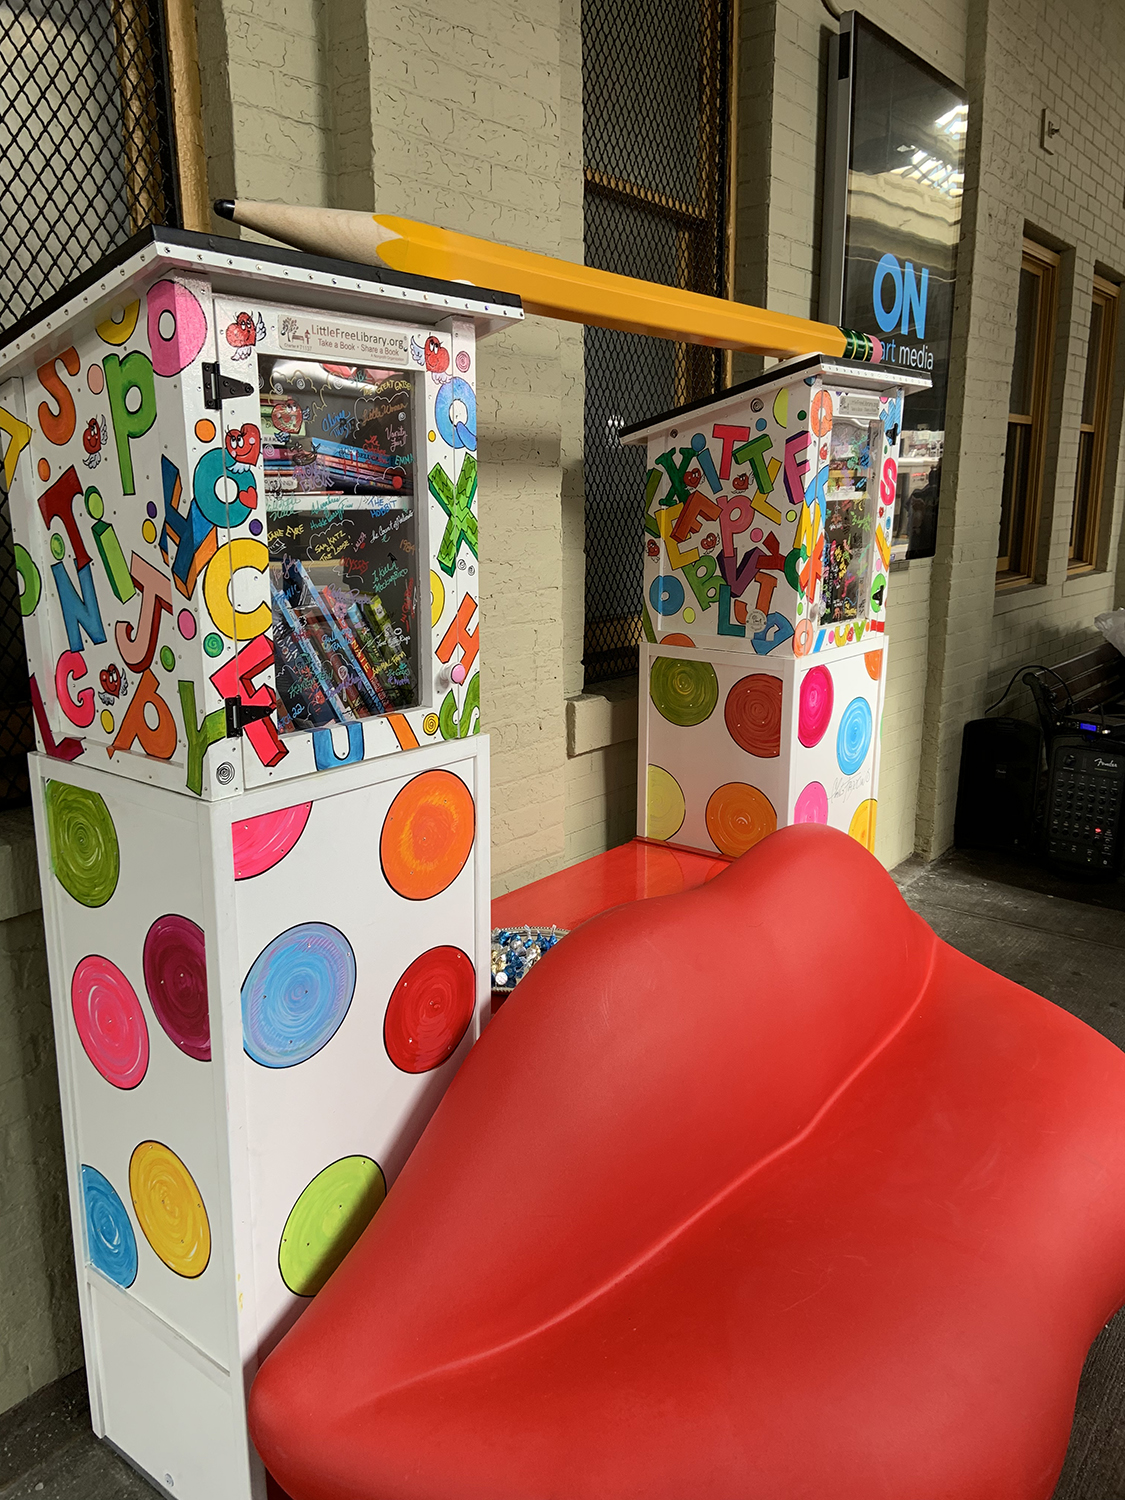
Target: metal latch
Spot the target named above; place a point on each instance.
(219, 388)
(240, 714)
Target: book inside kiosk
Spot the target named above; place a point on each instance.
(243, 486)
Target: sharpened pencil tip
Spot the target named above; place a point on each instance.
(224, 207)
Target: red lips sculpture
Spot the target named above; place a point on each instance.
(756, 1192)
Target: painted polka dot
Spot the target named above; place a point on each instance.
(58, 547)
(151, 510)
(167, 658)
(107, 721)
(255, 527)
(95, 379)
(186, 623)
(205, 429)
(44, 470)
(212, 644)
(148, 531)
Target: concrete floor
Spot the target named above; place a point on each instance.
(1064, 940)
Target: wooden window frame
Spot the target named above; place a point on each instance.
(1017, 567)
(1085, 532)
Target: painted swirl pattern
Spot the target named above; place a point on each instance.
(296, 995)
(814, 708)
(753, 714)
(683, 692)
(738, 817)
(111, 1024)
(262, 842)
(853, 738)
(430, 1009)
(85, 856)
(169, 1209)
(326, 1220)
(427, 835)
(175, 969)
(110, 1241)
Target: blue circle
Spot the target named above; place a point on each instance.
(208, 471)
(110, 1241)
(853, 738)
(761, 424)
(666, 595)
(296, 995)
(456, 434)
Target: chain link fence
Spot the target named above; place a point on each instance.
(87, 158)
(655, 97)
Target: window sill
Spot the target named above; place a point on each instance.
(607, 716)
(1018, 594)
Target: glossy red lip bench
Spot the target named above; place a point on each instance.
(757, 1192)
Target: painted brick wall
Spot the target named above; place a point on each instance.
(1023, 55)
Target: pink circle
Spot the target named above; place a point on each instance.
(756, 534)
(463, 361)
(95, 379)
(111, 1024)
(458, 673)
(262, 842)
(812, 805)
(816, 706)
(174, 345)
(186, 622)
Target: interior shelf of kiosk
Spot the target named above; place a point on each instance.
(343, 540)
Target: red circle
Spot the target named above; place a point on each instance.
(753, 714)
(815, 706)
(429, 1010)
(111, 1024)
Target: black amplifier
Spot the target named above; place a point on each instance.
(1085, 791)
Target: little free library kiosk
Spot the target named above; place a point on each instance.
(768, 516)
(243, 486)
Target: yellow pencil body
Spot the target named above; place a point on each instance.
(548, 286)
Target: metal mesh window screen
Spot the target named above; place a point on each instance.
(655, 91)
(86, 158)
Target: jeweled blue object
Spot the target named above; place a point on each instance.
(516, 949)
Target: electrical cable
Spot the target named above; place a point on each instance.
(1031, 666)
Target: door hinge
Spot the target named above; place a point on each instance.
(219, 388)
(240, 714)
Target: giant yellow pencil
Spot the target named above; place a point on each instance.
(553, 288)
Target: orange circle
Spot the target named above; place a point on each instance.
(676, 640)
(427, 835)
(738, 817)
(873, 661)
(803, 638)
(44, 470)
(820, 413)
(205, 429)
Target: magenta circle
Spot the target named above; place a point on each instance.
(189, 331)
(463, 360)
(175, 966)
(111, 1024)
(186, 622)
(816, 706)
(811, 805)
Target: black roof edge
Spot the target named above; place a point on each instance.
(778, 372)
(278, 255)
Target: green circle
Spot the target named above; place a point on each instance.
(85, 856)
(58, 547)
(326, 1220)
(32, 582)
(95, 505)
(801, 415)
(212, 644)
(167, 658)
(684, 692)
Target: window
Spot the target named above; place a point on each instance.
(655, 159)
(1027, 414)
(1085, 522)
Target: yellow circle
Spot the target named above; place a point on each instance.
(119, 329)
(781, 407)
(433, 437)
(689, 615)
(107, 721)
(862, 825)
(169, 1209)
(148, 531)
(437, 597)
(430, 724)
(243, 552)
(664, 805)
